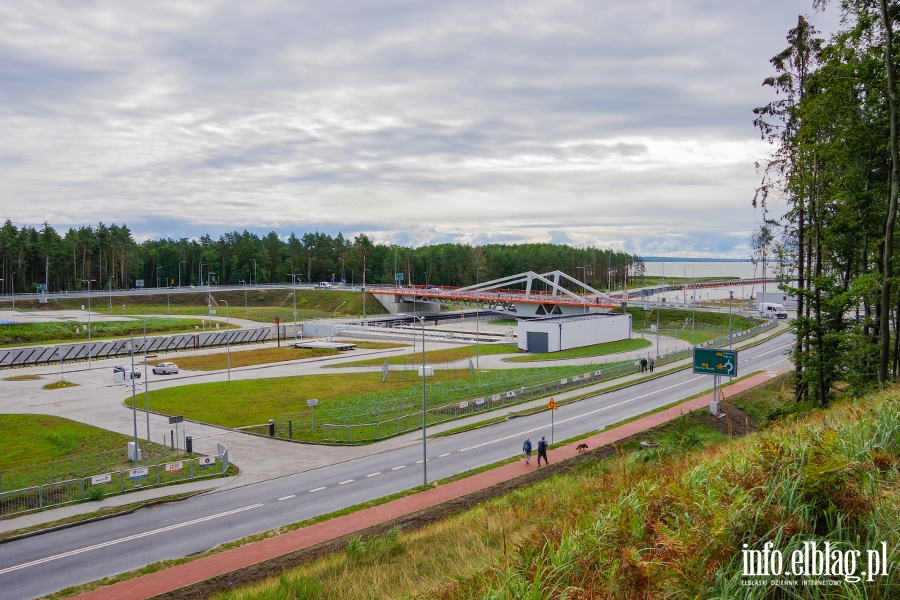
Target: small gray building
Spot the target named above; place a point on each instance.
(553, 334)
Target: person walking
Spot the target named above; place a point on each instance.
(652, 362)
(542, 451)
(643, 365)
(526, 448)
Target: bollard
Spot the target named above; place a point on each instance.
(290, 429)
(271, 427)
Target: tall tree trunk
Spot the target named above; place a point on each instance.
(892, 202)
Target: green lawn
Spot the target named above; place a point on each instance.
(35, 449)
(48, 333)
(507, 322)
(585, 351)
(435, 356)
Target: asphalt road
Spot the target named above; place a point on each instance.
(47, 563)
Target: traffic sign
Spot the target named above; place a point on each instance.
(552, 404)
(399, 277)
(42, 287)
(312, 402)
(178, 419)
(715, 362)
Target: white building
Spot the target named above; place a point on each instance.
(777, 297)
(561, 333)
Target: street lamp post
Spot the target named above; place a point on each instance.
(146, 382)
(730, 303)
(227, 340)
(180, 262)
(342, 271)
(89, 281)
(424, 413)
(255, 278)
(364, 286)
(200, 273)
(157, 277)
(133, 401)
(12, 277)
(294, 280)
(477, 365)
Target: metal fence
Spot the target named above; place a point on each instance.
(96, 487)
(364, 432)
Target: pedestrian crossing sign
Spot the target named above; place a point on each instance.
(552, 404)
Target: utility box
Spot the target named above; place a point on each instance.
(553, 334)
(131, 453)
(188, 445)
(429, 371)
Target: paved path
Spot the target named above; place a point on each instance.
(244, 556)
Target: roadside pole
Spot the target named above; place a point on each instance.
(552, 406)
(312, 403)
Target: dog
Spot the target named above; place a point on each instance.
(581, 448)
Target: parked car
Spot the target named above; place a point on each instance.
(129, 373)
(165, 368)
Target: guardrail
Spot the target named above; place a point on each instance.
(99, 486)
(365, 432)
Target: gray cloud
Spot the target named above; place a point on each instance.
(626, 125)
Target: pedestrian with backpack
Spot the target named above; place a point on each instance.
(542, 450)
(526, 448)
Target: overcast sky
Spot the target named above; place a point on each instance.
(622, 124)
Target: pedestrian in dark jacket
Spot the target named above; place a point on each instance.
(542, 451)
(643, 365)
(526, 448)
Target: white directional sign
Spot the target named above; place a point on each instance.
(101, 479)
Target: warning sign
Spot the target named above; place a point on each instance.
(552, 404)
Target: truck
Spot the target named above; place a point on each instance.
(771, 310)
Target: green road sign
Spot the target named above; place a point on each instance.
(399, 277)
(42, 287)
(715, 362)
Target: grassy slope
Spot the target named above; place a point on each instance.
(586, 351)
(244, 358)
(43, 333)
(654, 525)
(263, 304)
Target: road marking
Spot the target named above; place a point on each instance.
(287, 497)
(129, 538)
(373, 474)
(316, 490)
(348, 481)
(419, 462)
(582, 415)
(400, 467)
(443, 455)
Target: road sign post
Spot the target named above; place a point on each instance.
(552, 406)
(312, 403)
(716, 362)
(176, 421)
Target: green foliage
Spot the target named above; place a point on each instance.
(94, 494)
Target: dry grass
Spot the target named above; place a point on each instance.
(246, 358)
(22, 378)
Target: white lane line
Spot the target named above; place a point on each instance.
(287, 497)
(316, 490)
(373, 474)
(348, 481)
(443, 455)
(582, 415)
(125, 539)
(419, 462)
(400, 467)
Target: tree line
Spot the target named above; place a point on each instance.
(835, 160)
(108, 257)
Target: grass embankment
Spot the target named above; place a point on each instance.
(52, 333)
(246, 358)
(663, 523)
(586, 351)
(263, 305)
(35, 449)
(677, 323)
(435, 356)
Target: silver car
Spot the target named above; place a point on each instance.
(165, 368)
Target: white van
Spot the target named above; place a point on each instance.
(770, 310)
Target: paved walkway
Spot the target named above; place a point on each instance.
(218, 564)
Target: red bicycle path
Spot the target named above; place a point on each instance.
(202, 569)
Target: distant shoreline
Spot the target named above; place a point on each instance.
(648, 259)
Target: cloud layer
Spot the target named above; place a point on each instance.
(609, 124)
